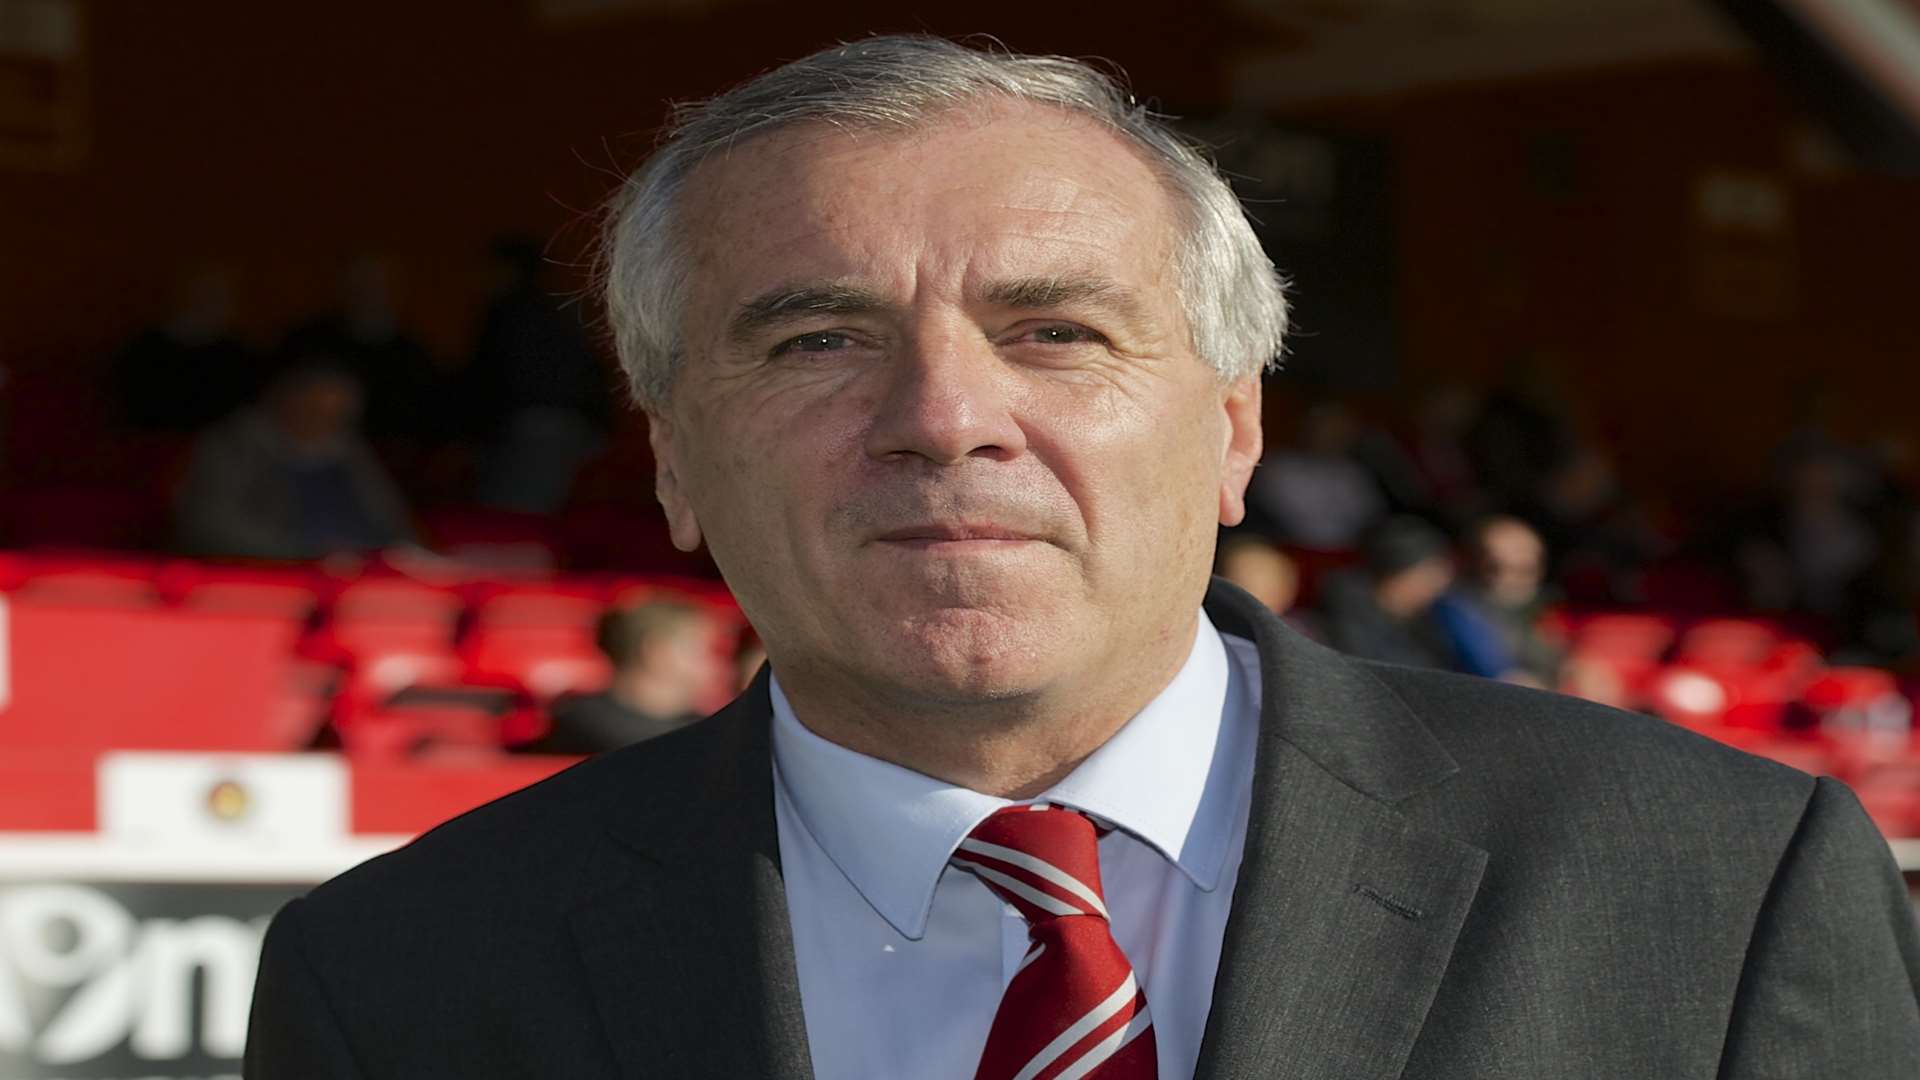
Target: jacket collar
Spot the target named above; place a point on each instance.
(1339, 898)
(1345, 913)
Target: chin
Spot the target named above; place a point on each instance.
(970, 655)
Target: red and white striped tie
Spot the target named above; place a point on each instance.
(1073, 1008)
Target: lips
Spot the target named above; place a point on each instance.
(943, 532)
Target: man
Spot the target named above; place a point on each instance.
(953, 361)
(1400, 606)
(291, 477)
(1507, 564)
(666, 663)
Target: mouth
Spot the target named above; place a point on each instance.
(956, 536)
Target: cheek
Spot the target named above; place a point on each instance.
(767, 472)
(1145, 478)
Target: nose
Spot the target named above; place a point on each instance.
(948, 397)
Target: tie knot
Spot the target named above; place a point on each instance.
(1042, 859)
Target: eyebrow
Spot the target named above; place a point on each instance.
(788, 303)
(1038, 293)
(791, 302)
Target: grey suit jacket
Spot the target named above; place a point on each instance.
(1444, 878)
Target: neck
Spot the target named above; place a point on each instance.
(1013, 747)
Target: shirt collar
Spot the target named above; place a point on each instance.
(1156, 778)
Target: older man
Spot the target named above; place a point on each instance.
(952, 359)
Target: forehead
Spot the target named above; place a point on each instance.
(1002, 189)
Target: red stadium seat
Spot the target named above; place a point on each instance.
(291, 592)
(1690, 696)
(1858, 699)
(575, 605)
(546, 660)
(1621, 634)
(1722, 642)
(91, 579)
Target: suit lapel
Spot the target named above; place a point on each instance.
(1345, 915)
(686, 940)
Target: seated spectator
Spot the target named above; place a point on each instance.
(405, 401)
(1268, 574)
(189, 371)
(666, 664)
(1317, 494)
(539, 398)
(290, 477)
(1507, 563)
(1400, 608)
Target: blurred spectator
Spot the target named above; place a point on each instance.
(1507, 567)
(1400, 609)
(1520, 435)
(405, 402)
(1438, 449)
(666, 664)
(290, 477)
(1597, 537)
(190, 370)
(1317, 494)
(1811, 545)
(1268, 574)
(538, 394)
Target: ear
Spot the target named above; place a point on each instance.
(1244, 441)
(681, 523)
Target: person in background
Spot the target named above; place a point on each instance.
(666, 666)
(1400, 608)
(190, 370)
(1506, 566)
(405, 406)
(1268, 574)
(1317, 494)
(539, 399)
(290, 477)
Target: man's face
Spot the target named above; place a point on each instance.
(941, 423)
(1513, 563)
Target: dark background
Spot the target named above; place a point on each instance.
(1532, 179)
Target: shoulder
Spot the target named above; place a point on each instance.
(538, 846)
(1538, 767)
(1480, 717)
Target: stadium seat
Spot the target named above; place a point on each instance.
(1858, 699)
(1689, 696)
(90, 579)
(1642, 636)
(546, 660)
(1721, 642)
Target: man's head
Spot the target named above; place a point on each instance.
(670, 642)
(1256, 565)
(1509, 561)
(1411, 565)
(952, 359)
(315, 400)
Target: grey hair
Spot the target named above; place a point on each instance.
(1234, 299)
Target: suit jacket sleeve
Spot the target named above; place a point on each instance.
(1831, 985)
(294, 1033)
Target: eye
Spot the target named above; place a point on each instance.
(820, 341)
(1063, 334)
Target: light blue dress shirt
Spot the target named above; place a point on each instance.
(902, 960)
